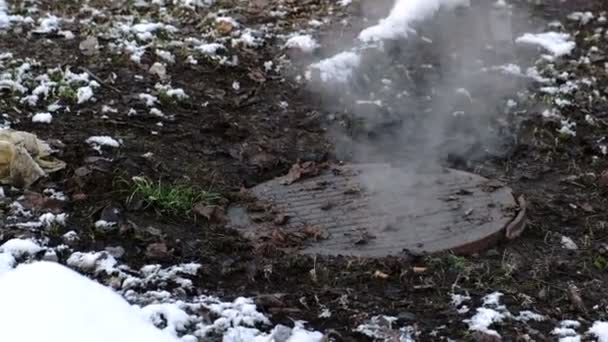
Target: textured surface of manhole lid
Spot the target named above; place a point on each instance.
(374, 210)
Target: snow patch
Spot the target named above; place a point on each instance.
(556, 43)
(103, 141)
(72, 308)
(600, 330)
(42, 118)
(491, 312)
(84, 94)
(338, 68)
(305, 43)
(19, 248)
(568, 243)
(94, 262)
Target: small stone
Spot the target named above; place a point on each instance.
(89, 46)
(82, 171)
(50, 256)
(224, 27)
(210, 212)
(110, 214)
(406, 316)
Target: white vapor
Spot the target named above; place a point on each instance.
(396, 25)
(403, 14)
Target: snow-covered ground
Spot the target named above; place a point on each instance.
(135, 305)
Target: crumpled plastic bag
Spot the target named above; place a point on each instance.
(24, 158)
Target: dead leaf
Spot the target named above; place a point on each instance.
(158, 250)
(315, 233)
(210, 212)
(516, 227)
(419, 269)
(281, 219)
(38, 202)
(224, 27)
(363, 238)
(277, 236)
(575, 298)
(256, 75)
(302, 170)
(587, 207)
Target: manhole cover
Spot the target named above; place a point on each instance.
(375, 210)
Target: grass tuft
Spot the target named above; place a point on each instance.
(171, 198)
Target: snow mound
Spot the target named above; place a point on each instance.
(74, 309)
(4, 18)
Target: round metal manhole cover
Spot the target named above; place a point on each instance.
(375, 210)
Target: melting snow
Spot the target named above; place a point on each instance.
(568, 243)
(84, 94)
(305, 43)
(526, 316)
(556, 43)
(103, 141)
(568, 128)
(403, 14)
(566, 331)
(210, 49)
(42, 118)
(583, 17)
(337, 68)
(600, 330)
(71, 308)
(491, 312)
(47, 25)
(4, 18)
(19, 248)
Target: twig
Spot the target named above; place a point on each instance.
(105, 84)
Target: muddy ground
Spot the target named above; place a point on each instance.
(224, 140)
